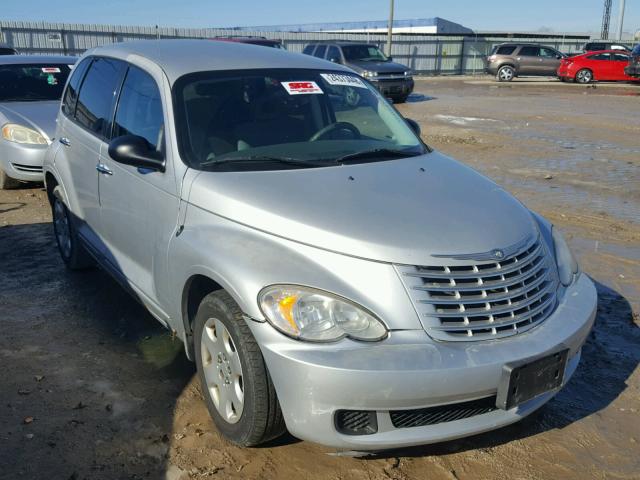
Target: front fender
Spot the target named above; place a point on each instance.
(244, 260)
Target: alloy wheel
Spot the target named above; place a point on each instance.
(584, 76)
(222, 370)
(505, 74)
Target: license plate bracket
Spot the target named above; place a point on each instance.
(524, 380)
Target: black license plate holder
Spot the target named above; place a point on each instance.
(525, 380)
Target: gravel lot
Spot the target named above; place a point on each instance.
(92, 387)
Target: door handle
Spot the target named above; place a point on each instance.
(102, 168)
(65, 141)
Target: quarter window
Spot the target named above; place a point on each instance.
(140, 109)
(71, 94)
(308, 50)
(505, 50)
(97, 95)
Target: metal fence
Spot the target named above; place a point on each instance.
(425, 54)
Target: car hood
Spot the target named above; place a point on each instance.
(380, 67)
(38, 115)
(389, 211)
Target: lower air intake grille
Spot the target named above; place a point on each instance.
(27, 168)
(356, 422)
(445, 413)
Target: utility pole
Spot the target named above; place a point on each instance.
(606, 18)
(390, 30)
(621, 20)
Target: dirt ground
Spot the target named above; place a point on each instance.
(92, 387)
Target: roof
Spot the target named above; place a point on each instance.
(343, 43)
(29, 59)
(179, 57)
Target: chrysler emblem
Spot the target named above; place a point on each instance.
(498, 254)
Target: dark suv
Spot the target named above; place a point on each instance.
(510, 60)
(633, 69)
(393, 80)
(604, 45)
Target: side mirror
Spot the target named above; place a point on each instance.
(135, 151)
(414, 126)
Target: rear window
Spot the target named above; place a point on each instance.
(505, 50)
(32, 82)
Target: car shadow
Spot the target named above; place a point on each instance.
(419, 98)
(91, 379)
(609, 357)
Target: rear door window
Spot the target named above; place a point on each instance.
(529, 51)
(320, 51)
(333, 54)
(139, 110)
(600, 56)
(71, 93)
(97, 95)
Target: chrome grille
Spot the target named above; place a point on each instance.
(27, 168)
(467, 300)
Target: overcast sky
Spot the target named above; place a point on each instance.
(558, 15)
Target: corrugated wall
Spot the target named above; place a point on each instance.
(426, 54)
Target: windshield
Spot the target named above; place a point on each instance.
(363, 53)
(276, 119)
(31, 82)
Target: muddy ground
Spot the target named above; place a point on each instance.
(92, 387)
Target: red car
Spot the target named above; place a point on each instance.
(603, 65)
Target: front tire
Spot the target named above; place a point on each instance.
(6, 182)
(584, 76)
(236, 385)
(71, 250)
(506, 73)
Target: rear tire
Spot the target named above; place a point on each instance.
(6, 182)
(72, 251)
(236, 385)
(584, 76)
(506, 73)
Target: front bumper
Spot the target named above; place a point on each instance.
(22, 162)
(411, 371)
(395, 87)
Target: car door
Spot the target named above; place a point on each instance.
(600, 65)
(87, 108)
(528, 59)
(618, 63)
(139, 208)
(549, 61)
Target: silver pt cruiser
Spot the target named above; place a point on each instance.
(327, 271)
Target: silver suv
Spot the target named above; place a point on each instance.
(327, 271)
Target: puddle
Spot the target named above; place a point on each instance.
(160, 350)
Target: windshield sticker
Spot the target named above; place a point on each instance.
(347, 80)
(50, 70)
(301, 88)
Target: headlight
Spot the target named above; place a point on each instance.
(567, 264)
(20, 134)
(408, 73)
(369, 74)
(315, 315)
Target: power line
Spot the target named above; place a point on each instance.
(606, 19)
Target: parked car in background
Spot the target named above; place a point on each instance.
(30, 91)
(633, 67)
(326, 270)
(510, 60)
(607, 65)
(7, 50)
(262, 41)
(392, 79)
(599, 45)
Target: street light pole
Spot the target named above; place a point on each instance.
(390, 31)
(621, 20)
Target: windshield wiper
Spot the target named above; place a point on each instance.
(379, 154)
(263, 159)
